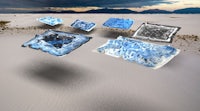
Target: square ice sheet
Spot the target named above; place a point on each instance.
(156, 32)
(147, 54)
(50, 20)
(118, 23)
(56, 42)
(86, 26)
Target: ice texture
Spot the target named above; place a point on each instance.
(56, 42)
(83, 25)
(147, 54)
(156, 32)
(118, 23)
(50, 20)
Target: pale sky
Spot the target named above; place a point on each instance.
(176, 4)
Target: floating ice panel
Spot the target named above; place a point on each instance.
(118, 23)
(86, 26)
(51, 20)
(156, 32)
(57, 43)
(147, 54)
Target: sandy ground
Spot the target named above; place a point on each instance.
(32, 80)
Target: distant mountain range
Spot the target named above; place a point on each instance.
(115, 11)
(188, 10)
(155, 11)
(105, 10)
(151, 11)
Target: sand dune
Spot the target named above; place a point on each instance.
(32, 80)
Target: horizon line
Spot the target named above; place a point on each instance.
(81, 9)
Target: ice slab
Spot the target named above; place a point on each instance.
(56, 42)
(50, 20)
(83, 25)
(118, 23)
(156, 32)
(147, 54)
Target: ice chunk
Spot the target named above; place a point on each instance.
(156, 32)
(56, 42)
(50, 20)
(147, 54)
(86, 26)
(118, 23)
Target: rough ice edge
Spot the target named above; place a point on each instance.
(165, 61)
(118, 28)
(157, 66)
(175, 30)
(48, 23)
(106, 52)
(88, 30)
(51, 49)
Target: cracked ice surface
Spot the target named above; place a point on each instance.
(156, 32)
(147, 54)
(50, 20)
(56, 42)
(118, 23)
(86, 26)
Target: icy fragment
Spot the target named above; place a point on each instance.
(56, 42)
(147, 54)
(50, 20)
(118, 23)
(156, 32)
(86, 26)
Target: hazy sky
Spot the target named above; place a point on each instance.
(134, 4)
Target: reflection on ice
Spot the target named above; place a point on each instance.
(147, 54)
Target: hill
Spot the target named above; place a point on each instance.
(106, 10)
(187, 11)
(155, 11)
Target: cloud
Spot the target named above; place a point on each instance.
(78, 3)
(140, 3)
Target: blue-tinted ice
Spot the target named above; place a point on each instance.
(86, 26)
(57, 43)
(118, 23)
(51, 20)
(147, 54)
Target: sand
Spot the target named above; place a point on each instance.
(32, 80)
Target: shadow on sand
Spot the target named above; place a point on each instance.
(114, 33)
(58, 75)
(78, 31)
(45, 26)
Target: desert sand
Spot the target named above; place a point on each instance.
(31, 80)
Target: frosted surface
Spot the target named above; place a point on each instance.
(57, 43)
(147, 54)
(156, 32)
(118, 23)
(83, 25)
(50, 20)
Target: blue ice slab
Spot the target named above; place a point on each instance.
(56, 42)
(118, 23)
(147, 54)
(86, 26)
(51, 20)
